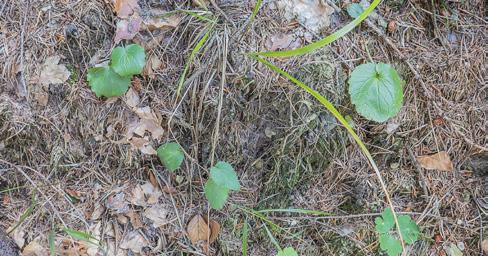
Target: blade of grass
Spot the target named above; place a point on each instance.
(325, 41)
(329, 106)
(24, 215)
(245, 238)
(272, 238)
(52, 244)
(253, 15)
(195, 50)
(295, 210)
(82, 236)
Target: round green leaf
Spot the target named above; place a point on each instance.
(385, 222)
(376, 90)
(288, 251)
(224, 175)
(171, 155)
(409, 229)
(129, 60)
(354, 10)
(215, 194)
(105, 82)
(390, 244)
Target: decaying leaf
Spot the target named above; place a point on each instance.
(52, 72)
(143, 145)
(313, 14)
(135, 219)
(125, 8)
(153, 65)
(279, 41)
(133, 241)
(439, 161)
(117, 203)
(214, 230)
(152, 193)
(132, 98)
(157, 214)
(127, 28)
(161, 22)
(484, 246)
(198, 229)
(34, 249)
(137, 197)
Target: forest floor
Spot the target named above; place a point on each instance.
(70, 161)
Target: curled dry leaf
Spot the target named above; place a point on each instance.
(133, 241)
(52, 72)
(161, 22)
(132, 98)
(157, 214)
(127, 28)
(214, 230)
(117, 203)
(439, 161)
(153, 65)
(143, 145)
(125, 8)
(152, 193)
(198, 229)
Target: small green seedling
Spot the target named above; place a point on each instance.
(288, 251)
(113, 80)
(222, 179)
(389, 242)
(376, 90)
(171, 155)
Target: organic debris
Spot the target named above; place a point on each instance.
(439, 161)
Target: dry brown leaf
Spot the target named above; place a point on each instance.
(34, 249)
(484, 246)
(439, 161)
(117, 203)
(17, 235)
(279, 41)
(127, 29)
(132, 98)
(133, 241)
(136, 196)
(198, 229)
(313, 14)
(161, 22)
(214, 230)
(152, 193)
(125, 8)
(153, 65)
(52, 73)
(135, 219)
(143, 145)
(157, 214)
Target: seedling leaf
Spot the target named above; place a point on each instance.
(129, 60)
(224, 175)
(391, 245)
(171, 155)
(105, 82)
(409, 229)
(82, 236)
(376, 90)
(354, 10)
(215, 194)
(288, 251)
(385, 222)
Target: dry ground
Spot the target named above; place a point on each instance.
(69, 152)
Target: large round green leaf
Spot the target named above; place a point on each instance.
(171, 155)
(215, 194)
(105, 82)
(224, 175)
(376, 90)
(408, 227)
(128, 60)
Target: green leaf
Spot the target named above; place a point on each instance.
(354, 10)
(408, 228)
(82, 236)
(385, 222)
(288, 251)
(391, 245)
(129, 60)
(215, 194)
(52, 243)
(171, 155)
(224, 175)
(376, 90)
(105, 82)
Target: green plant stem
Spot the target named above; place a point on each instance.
(329, 106)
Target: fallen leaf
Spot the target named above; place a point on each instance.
(17, 235)
(97, 212)
(312, 14)
(200, 3)
(52, 73)
(135, 219)
(117, 203)
(152, 193)
(157, 214)
(161, 22)
(214, 230)
(148, 122)
(127, 29)
(132, 98)
(198, 229)
(136, 196)
(125, 8)
(279, 41)
(34, 249)
(439, 161)
(484, 246)
(143, 145)
(133, 241)
(153, 65)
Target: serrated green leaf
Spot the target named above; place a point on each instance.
(408, 228)
(171, 155)
(385, 222)
(128, 60)
(223, 174)
(105, 82)
(215, 194)
(288, 251)
(391, 245)
(376, 90)
(354, 10)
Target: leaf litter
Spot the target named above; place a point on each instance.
(438, 161)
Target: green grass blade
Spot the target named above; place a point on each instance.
(245, 238)
(195, 50)
(52, 243)
(329, 106)
(325, 41)
(295, 210)
(272, 238)
(26, 214)
(82, 236)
